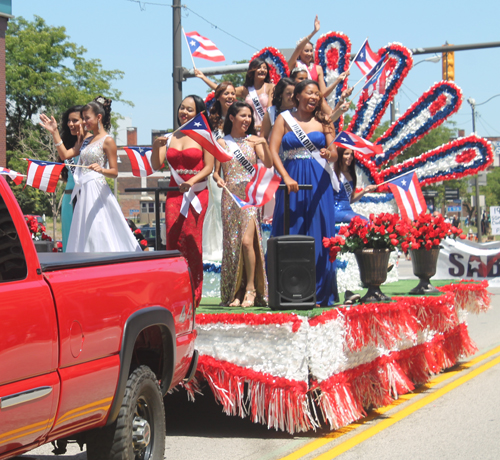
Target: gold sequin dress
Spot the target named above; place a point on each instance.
(235, 222)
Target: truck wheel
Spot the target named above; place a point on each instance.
(139, 430)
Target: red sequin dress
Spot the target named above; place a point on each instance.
(185, 233)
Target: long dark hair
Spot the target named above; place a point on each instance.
(233, 110)
(351, 168)
(252, 68)
(101, 106)
(278, 91)
(68, 139)
(199, 105)
(317, 113)
(216, 109)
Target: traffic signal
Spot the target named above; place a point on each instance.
(449, 65)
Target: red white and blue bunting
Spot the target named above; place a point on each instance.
(278, 67)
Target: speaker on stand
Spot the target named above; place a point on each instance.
(291, 266)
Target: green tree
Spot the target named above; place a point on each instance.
(46, 72)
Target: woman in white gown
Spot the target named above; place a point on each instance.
(98, 223)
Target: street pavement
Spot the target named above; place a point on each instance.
(462, 422)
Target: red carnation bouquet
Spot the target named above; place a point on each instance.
(427, 231)
(384, 231)
(36, 229)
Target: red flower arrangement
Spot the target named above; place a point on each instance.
(384, 231)
(428, 231)
(36, 229)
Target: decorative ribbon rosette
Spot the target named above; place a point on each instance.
(278, 67)
(332, 54)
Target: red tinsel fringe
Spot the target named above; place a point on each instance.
(470, 295)
(251, 319)
(277, 402)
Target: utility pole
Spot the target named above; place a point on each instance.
(472, 103)
(177, 59)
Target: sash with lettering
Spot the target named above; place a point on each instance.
(347, 186)
(188, 197)
(259, 110)
(307, 143)
(238, 154)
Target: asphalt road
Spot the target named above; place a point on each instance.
(454, 419)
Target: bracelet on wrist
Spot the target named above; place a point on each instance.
(58, 144)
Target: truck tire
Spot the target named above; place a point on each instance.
(139, 431)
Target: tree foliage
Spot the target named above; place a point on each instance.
(45, 73)
(237, 79)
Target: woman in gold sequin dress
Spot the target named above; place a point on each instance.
(243, 276)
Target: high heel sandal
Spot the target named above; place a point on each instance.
(246, 301)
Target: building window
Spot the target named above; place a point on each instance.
(144, 207)
(151, 207)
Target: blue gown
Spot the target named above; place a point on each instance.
(343, 210)
(312, 212)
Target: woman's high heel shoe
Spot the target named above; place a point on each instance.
(249, 299)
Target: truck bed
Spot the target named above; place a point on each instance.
(63, 261)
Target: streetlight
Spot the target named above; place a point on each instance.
(473, 105)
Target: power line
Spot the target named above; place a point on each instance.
(142, 6)
(217, 27)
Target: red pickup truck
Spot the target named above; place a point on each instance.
(89, 344)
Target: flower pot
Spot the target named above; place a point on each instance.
(372, 265)
(43, 246)
(424, 264)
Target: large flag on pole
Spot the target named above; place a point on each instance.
(198, 129)
(366, 58)
(15, 176)
(204, 48)
(43, 175)
(353, 142)
(140, 160)
(376, 78)
(408, 194)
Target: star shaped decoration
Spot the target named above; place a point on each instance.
(192, 43)
(475, 264)
(197, 124)
(403, 182)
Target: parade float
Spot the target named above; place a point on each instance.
(295, 370)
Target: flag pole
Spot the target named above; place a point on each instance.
(189, 49)
(354, 60)
(397, 177)
(76, 166)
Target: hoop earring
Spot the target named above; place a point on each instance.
(98, 125)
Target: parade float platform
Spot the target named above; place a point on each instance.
(300, 370)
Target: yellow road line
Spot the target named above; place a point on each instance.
(316, 444)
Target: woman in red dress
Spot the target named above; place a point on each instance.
(190, 166)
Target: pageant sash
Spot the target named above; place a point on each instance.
(238, 154)
(188, 197)
(307, 143)
(347, 186)
(259, 110)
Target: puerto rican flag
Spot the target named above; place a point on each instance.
(15, 176)
(353, 142)
(198, 129)
(260, 189)
(140, 159)
(376, 78)
(366, 58)
(43, 175)
(204, 48)
(408, 194)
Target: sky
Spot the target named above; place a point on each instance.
(137, 39)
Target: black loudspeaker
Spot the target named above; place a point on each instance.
(291, 272)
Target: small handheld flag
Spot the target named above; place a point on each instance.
(353, 142)
(140, 159)
(198, 129)
(15, 176)
(408, 194)
(204, 48)
(366, 58)
(43, 175)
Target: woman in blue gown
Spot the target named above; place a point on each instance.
(345, 168)
(312, 212)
